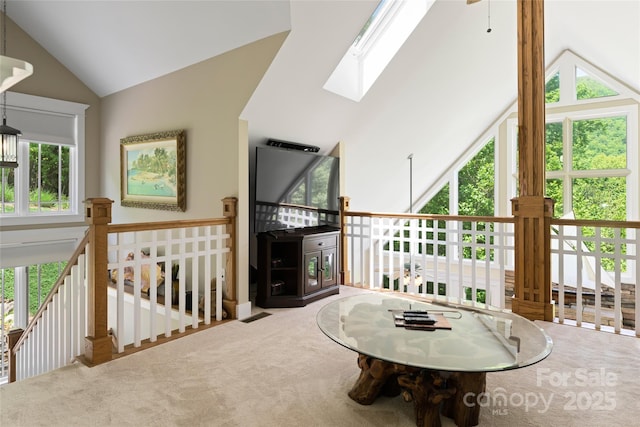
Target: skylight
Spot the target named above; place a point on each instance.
(388, 27)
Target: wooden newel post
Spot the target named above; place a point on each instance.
(532, 294)
(229, 300)
(97, 345)
(345, 277)
(12, 337)
(531, 209)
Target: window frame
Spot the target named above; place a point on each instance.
(57, 111)
(567, 108)
(567, 174)
(382, 36)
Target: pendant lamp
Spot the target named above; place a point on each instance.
(11, 72)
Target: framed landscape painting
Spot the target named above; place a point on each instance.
(153, 171)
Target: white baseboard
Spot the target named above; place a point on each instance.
(243, 310)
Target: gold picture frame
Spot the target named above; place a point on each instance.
(153, 171)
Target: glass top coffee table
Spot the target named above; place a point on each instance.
(430, 364)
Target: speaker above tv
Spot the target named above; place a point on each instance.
(292, 145)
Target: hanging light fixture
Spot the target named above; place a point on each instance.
(9, 136)
(11, 72)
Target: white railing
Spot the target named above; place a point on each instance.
(462, 260)
(445, 257)
(594, 271)
(164, 280)
(83, 315)
(56, 337)
(271, 216)
(198, 253)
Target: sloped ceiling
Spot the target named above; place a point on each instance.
(113, 45)
(449, 82)
(442, 90)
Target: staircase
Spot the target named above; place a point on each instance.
(107, 303)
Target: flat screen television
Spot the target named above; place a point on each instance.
(295, 189)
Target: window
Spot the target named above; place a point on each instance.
(49, 178)
(587, 163)
(475, 189)
(590, 164)
(591, 142)
(386, 30)
(314, 184)
(476, 183)
(439, 204)
(589, 87)
(7, 194)
(591, 151)
(48, 185)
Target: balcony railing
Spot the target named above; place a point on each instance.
(128, 286)
(595, 269)
(164, 278)
(462, 259)
(458, 259)
(470, 260)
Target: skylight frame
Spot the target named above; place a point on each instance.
(379, 19)
(383, 34)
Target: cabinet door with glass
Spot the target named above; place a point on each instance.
(329, 267)
(312, 271)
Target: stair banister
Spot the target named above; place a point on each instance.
(97, 347)
(18, 336)
(13, 337)
(89, 265)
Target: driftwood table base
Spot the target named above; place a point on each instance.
(464, 407)
(428, 390)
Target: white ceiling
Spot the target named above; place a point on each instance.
(439, 94)
(112, 45)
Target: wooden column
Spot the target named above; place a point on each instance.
(531, 209)
(345, 277)
(13, 337)
(229, 300)
(97, 345)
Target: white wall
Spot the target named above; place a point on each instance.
(444, 88)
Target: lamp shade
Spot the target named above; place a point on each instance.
(9, 138)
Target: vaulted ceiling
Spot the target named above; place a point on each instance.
(113, 45)
(442, 90)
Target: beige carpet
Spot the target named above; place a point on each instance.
(282, 371)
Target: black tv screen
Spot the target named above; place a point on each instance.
(295, 189)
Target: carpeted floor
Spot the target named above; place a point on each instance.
(281, 370)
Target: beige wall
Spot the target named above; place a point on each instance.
(52, 80)
(206, 100)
